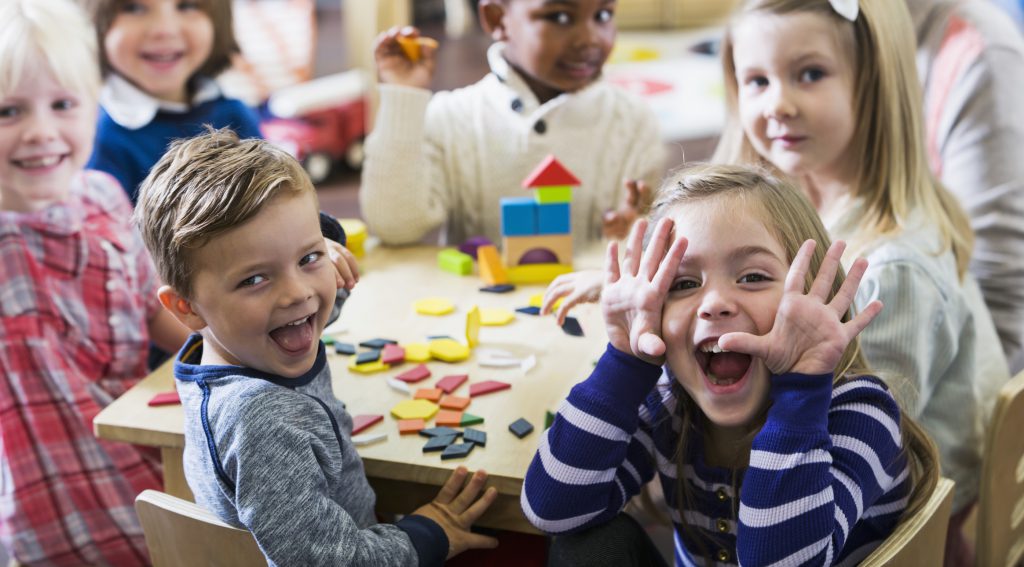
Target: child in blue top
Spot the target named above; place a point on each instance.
(733, 374)
(159, 58)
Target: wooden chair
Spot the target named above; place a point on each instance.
(919, 541)
(1000, 535)
(181, 534)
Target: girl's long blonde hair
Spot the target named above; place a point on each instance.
(791, 220)
(888, 144)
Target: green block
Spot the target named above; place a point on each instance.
(470, 419)
(327, 339)
(549, 418)
(553, 194)
(451, 260)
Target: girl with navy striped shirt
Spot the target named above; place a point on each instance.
(733, 373)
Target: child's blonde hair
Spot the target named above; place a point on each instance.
(791, 219)
(894, 178)
(204, 186)
(51, 32)
(103, 13)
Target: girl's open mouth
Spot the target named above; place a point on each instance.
(724, 372)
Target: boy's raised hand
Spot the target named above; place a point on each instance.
(456, 508)
(573, 288)
(634, 292)
(808, 336)
(344, 263)
(395, 67)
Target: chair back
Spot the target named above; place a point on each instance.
(920, 540)
(1000, 536)
(180, 533)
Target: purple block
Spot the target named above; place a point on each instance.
(470, 246)
(539, 256)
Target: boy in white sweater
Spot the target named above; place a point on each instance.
(448, 159)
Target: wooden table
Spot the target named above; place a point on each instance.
(381, 306)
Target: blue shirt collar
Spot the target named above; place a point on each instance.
(187, 367)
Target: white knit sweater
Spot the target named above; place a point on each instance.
(450, 158)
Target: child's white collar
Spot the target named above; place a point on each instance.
(133, 108)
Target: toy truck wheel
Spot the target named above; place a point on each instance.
(355, 155)
(318, 166)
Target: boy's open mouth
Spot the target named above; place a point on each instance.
(295, 337)
(722, 368)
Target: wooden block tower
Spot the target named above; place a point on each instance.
(537, 231)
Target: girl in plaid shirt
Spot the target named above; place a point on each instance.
(78, 304)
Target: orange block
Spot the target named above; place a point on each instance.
(492, 271)
(407, 426)
(449, 417)
(432, 394)
(455, 402)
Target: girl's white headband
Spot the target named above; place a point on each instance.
(846, 8)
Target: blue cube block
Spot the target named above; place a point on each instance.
(553, 218)
(518, 216)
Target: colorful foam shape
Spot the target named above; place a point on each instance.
(536, 273)
(399, 386)
(520, 428)
(475, 436)
(531, 310)
(368, 438)
(470, 419)
(344, 348)
(553, 194)
(392, 354)
(361, 422)
(414, 409)
(455, 262)
(554, 218)
(492, 271)
(411, 46)
(440, 431)
(433, 306)
(471, 245)
(368, 356)
(164, 399)
(537, 300)
(414, 374)
(449, 384)
(454, 402)
(448, 350)
(366, 368)
(473, 322)
(417, 352)
(518, 216)
(355, 236)
(432, 394)
(407, 426)
(492, 317)
(457, 451)
(572, 327)
(550, 172)
(449, 417)
(438, 443)
(487, 387)
(377, 344)
(500, 288)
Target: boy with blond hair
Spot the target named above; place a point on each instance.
(233, 228)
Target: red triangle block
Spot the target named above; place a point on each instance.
(165, 399)
(392, 354)
(361, 422)
(481, 388)
(550, 173)
(416, 374)
(449, 384)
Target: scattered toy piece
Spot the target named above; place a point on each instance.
(399, 386)
(471, 245)
(520, 428)
(361, 422)
(368, 438)
(528, 364)
(492, 271)
(411, 46)
(537, 300)
(415, 374)
(481, 388)
(500, 288)
(344, 348)
(392, 354)
(165, 399)
(457, 451)
(536, 273)
(496, 317)
(572, 327)
(531, 310)
(432, 394)
(449, 384)
(439, 443)
(454, 402)
(366, 368)
(439, 337)
(414, 409)
(449, 417)
(549, 418)
(417, 352)
(475, 436)
(473, 322)
(327, 340)
(470, 419)
(377, 343)
(440, 432)
(433, 306)
(497, 360)
(448, 350)
(407, 426)
(368, 356)
(455, 262)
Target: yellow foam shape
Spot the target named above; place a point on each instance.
(366, 367)
(537, 300)
(355, 235)
(492, 271)
(536, 273)
(414, 409)
(448, 350)
(473, 322)
(411, 45)
(496, 317)
(417, 352)
(433, 306)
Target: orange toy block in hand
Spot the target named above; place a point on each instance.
(411, 46)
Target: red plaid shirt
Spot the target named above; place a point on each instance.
(76, 290)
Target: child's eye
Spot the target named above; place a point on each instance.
(605, 16)
(811, 75)
(8, 111)
(560, 18)
(757, 82)
(252, 281)
(64, 104)
(684, 284)
(310, 258)
(132, 8)
(183, 6)
(754, 278)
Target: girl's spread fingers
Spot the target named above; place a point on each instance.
(670, 265)
(848, 291)
(634, 248)
(826, 275)
(861, 321)
(611, 264)
(798, 270)
(655, 250)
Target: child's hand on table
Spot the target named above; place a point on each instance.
(457, 507)
(395, 67)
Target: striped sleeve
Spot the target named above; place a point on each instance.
(595, 456)
(823, 461)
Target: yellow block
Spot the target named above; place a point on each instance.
(537, 300)
(414, 409)
(366, 367)
(355, 236)
(433, 306)
(417, 352)
(536, 273)
(411, 46)
(496, 317)
(448, 350)
(492, 271)
(472, 327)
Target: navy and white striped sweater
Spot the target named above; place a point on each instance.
(826, 483)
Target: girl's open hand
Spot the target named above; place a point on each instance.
(395, 67)
(808, 336)
(634, 291)
(572, 288)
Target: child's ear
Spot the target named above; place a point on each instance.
(181, 308)
(492, 18)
